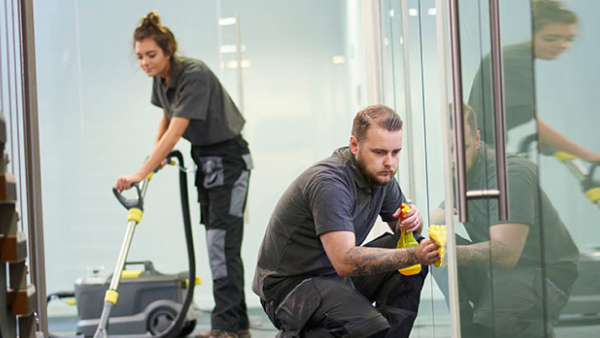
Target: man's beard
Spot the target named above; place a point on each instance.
(371, 178)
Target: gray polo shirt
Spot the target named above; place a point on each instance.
(331, 195)
(195, 93)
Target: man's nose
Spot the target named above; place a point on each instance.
(565, 44)
(387, 160)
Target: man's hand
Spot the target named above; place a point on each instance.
(412, 220)
(125, 182)
(427, 252)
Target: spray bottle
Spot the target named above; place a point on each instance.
(407, 240)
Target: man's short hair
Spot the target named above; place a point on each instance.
(547, 12)
(380, 115)
(470, 119)
(469, 116)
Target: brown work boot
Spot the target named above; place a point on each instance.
(244, 333)
(224, 334)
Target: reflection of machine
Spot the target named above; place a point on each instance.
(589, 185)
(585, 296)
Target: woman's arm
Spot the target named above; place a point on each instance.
(558, 141)
(162, 128)
(162, 148)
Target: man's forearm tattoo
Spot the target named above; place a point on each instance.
(483, 254)
(370, 261)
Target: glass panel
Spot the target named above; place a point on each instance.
(411, 86)
(500, 271)
(502, 281)
(566, 79)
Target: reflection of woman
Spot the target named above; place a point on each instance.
(197, 108)
(554, 30)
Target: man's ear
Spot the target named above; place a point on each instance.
(477, 139)
(353, 145)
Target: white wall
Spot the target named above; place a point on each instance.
(97, 122)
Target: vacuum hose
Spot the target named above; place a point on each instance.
(176, 325)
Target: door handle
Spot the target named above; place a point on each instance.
(457, 112)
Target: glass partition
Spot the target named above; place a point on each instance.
(517, 277)
(411, 86)
(565, 88)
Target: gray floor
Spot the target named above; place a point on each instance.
(261, 327)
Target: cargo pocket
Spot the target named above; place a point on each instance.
(238, 194)
(212, 170)
(215, 239)
(297, 308)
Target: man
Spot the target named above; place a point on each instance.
(312, 278)
(554, 30)
(512, 274)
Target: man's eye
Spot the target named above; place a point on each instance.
(152, 56)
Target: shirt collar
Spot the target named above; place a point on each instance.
(352, 165)
(176, 71)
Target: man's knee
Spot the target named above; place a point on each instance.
(402, 292)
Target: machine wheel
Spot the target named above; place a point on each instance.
(188, 327)
(160, 319)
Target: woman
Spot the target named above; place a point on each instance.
(554, 30)
(197, 107)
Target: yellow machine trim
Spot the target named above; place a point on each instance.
(564, 156)
(593, 194)
(71, 302)
(198, 281)
(135, 214)
(131, 273)
(111, 296)
(149, 176)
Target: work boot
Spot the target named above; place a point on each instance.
(224, 334)
(244, 333)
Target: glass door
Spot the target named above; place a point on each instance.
(517, 256)
(565, 91)
(484, 88)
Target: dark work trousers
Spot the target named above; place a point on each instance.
(222, 180)
(332, 306)
(498, 303)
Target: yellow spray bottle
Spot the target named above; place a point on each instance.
(407, 240)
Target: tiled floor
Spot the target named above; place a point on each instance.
(262, 328)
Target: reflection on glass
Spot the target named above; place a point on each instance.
(502, 283)
(566, 98)
(554, 29)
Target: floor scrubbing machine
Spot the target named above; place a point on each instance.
(148, 301)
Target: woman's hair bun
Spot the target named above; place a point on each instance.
(151, 19)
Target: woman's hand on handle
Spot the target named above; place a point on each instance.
(125, 182)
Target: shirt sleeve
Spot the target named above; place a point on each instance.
(392, 201)
(522, 200)
(193, 96)
(331, 202)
